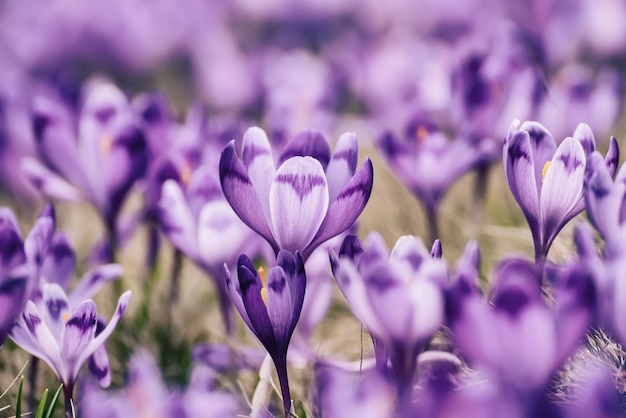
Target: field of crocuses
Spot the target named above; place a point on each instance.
(312, 208)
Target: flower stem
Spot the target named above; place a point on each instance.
(281, 369)
(32, 380)
(177, 265)
(68, 390)
(432, 225)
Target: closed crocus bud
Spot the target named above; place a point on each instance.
(305, 199)
(270, 305)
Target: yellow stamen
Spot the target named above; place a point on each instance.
(185, 173)
(106, 143)
(66, 316)
(261, 272)
(421, 133)
(544, 170)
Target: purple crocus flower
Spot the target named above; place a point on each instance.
(546, 181)
(604, 198)
(62, 337)
(198, 221)
(427, 162)
(408, 279)
(96, 158)
(20, 263)
(308, 198)
(518, 341)
(270, 306)
(146, 395)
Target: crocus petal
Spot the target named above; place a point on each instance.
(77, 335)
(241, 195)
(279, 305)
(12, 299)
(298, 202)
(375, 253)
(47, 182)
(250, 285)
(235, 297)
(347, 207)
(122, 304)
(60, 261)
(11, 249)
(520, 173)
(612, 156)
(342, 164)
(407, 255)
(221, 234)
(204, 186)
(307, 143)
(56, 309)
(31, 334)
(293, 266)
(542, 144)
(98, 365)
(38, 240)
(93, 281)
(176, 219)
(603, 198)
(257, 158)
(584, 135)
(562, 186)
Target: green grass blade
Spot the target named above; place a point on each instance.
(18, 407)
(42, 404)
(53, 402)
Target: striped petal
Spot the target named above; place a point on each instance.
(562, 187)
(603, 197)
(257, 158)
(298, 202)
(77, 335)
(342, 164)
(307, 143)
(279, 306)
(60, 261)
(346, 207)
(93, 281)
(56, 309)
(240, 193)
(47, 182)
(177, 221)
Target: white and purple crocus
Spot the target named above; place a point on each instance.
(546, 180)
(304, 200)
(270, 306)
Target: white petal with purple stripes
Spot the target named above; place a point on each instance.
(298, 202)
(258, 160)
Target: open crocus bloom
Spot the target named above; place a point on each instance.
(546, 181)
(61, 337)
(307, 199)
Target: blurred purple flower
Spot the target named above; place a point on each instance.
(270, 306)
(517, 340)
(63, 337)
(145, 395)
(197, 219)
(546, 181)
(427, 162)
(96, 158)
(408, 279)
(307, 199)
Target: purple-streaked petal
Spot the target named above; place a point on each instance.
(293, 266)
(351, 248)
(38, 240)
(31, 333)
(60, 261)
(98, 364)
(584, 135)
(279, 305)
(204, 186)
(436, 251)
(347, 207)
(241, 195)
(407, 256)
(307, 143)
(78, 333)
(603, 197)
(235, 297)
(542, 144)
(93, 281)
(520, 173)
(250, 285)
(11, 249)
(259, 162)
(122, 304)
(375, 253)
(298, 202)
(342, 164)
(56, 309)
(221, 234)
(177, 221)
(562, 186)
(47, 182)
(12, 299)
(612, 156)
